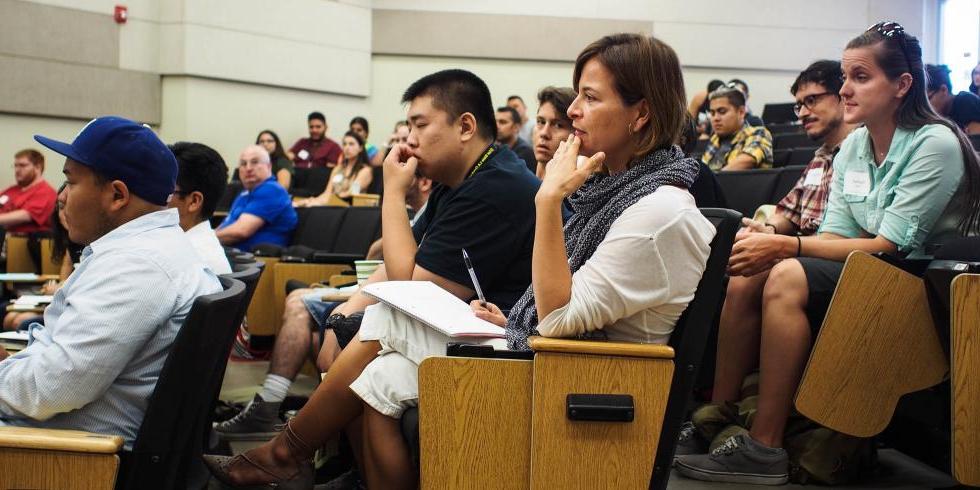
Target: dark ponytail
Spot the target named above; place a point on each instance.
(899, 53)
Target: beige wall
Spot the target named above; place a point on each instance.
(229, 115)
(218, 71)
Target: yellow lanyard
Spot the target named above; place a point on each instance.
(483, 159)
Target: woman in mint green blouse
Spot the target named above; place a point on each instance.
(903, 184)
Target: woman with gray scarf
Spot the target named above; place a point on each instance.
(626, 263)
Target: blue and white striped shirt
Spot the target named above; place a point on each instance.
(107, 333)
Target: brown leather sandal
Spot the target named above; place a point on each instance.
(301, 479)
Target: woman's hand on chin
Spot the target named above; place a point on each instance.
(563, 175)
(489, 313)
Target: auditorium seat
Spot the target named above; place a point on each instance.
(911, 335)
(168, 446)
(490, 422)
(746, 190)
(309, 182)
(875, 345)
(781, 128)
(780, 158)
(778, 113)
(789, 141)
(801, 155)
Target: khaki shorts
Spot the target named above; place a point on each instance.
(390, 383)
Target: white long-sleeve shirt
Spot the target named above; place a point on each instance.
(95, 362)
(643, 274)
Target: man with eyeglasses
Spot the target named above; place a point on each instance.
(962, 108)
(819, 109)
(263, 211)
(821, 113)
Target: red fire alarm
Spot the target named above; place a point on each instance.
(120, 14)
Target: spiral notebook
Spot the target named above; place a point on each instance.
(433, 306)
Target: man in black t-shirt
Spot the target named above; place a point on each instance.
(483, 202)
(508, 134)
(962, 108)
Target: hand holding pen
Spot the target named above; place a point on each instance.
(476, 283)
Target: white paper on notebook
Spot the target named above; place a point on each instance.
(18, 276)
(29, 299)
(433, 306)
(18, 336)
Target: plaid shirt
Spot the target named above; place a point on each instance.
(752, 140)
(806, 202)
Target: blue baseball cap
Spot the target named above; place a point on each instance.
(120, 149)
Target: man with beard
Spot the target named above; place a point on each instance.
(821, 112)
(317, 150)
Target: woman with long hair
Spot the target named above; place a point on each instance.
(350, 177)
(633, 220)
(282, 166)
(904, 183)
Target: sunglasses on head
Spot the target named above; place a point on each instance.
(888, 28)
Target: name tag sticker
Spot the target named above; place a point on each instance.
(303, 154)
(813, 177)
(857, 183)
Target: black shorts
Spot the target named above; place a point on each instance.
(822, 276)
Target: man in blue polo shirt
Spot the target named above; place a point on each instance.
(263, 212)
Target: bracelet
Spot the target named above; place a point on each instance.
(799, 245)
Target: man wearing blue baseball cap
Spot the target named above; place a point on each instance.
(95, 362)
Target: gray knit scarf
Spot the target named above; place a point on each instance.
(598, 203)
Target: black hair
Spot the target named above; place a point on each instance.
(362, 121)
(517, 97)
(714, 84)
(689, 136)
(937, 76)
(316, 115)
(279, 152)
(514, 115)
(739, 81)
(826, 73)
(734, 95)
(362, 158)
(457, 92)
(901, 53)
(201, 169)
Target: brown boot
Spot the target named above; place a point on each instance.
(284, 463)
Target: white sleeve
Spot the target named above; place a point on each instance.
(628, 272)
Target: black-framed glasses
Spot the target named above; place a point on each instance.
(809, 101)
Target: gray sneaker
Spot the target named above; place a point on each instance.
(258, 421)
(738, 460)
(689, 441)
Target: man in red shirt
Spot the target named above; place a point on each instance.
(27, 206)
(317, 150)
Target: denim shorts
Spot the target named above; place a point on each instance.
(320, 310)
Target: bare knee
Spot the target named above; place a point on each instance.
(786, 284)
(295, 307)
(328, 351)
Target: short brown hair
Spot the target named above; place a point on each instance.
(33, 155)
(645, 68)
(560, 97)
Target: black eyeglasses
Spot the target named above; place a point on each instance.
(809, 101)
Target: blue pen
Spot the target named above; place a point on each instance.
(476, 283)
